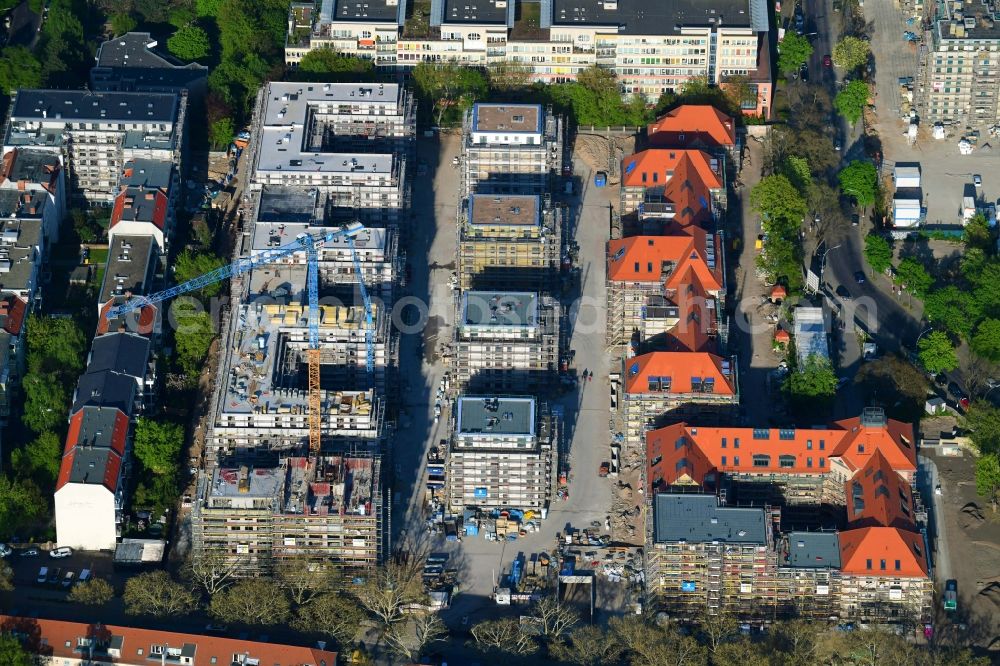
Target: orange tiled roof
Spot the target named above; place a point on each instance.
(693, 124)
(650, 168)
(894, 440)
(879, 496)
(59, 640)
(141, 323)
(787, 450)
(883, 551)
(641, 258)
(682, 368)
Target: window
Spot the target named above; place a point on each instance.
(868, 564)
(822, 445)
(723, 442)
(861, 448)
(786, 461)
(822, 463)
(655, 461)
(681, 464)
(881, 565)
(736, 461)
(786, 434)
(809, 462)
(679, 443)
(761, 433)
(809, 445)
(736, 443)
(761, 460)
(723, 461)
(898, 565)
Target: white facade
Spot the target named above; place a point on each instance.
(906, 176)
(85, 517)
(905, 212)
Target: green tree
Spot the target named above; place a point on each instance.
(850, 53)
(45, 402)
(982, 419)
(39, 458)
(814, 381)
(509, 75)
(448, 86)
(952, 308)
(986, 286)
(850, 101)
(189, 43)
(978, 234)
(190, 265)
(878, 252)
(796, 170)
(156, 593)
(56, 345)
(327, 61)
(937, 354)
(208, 8)
(859, 179)
(122, 23)
(793, 52)
(158, 444)
(986, 341)
(94, 592)
(19, 68)
(21, 504)
(221, 133)
(256, 601)
(193, 336)
(741, 91)
(13, 653)
(182, 16)
(893, 380)
(988, 476)
(776, 200)
(911, 275)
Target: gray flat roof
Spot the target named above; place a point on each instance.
(813, 550)
(699, 518)
(97, 428)
(496, 308)
(14, 203)
(496, 415)
(148, 173)
(810, 333)
(497, 117)
(260, 482)
(653, 17)
(33, 166)
(287, 204)
(364, 10)
(133, 49)
(506, 209)
(129, 266)
(475, 11)
(80, 105)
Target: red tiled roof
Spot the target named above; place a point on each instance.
(114, 459)
(697, 124)
(51, 637)
(895, 440)
(879, 496)
(13, 310)
(883, 551)
(146, 319)
(681, 367)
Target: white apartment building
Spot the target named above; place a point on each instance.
(652, 47)
(502, 455)
(346, 140)
(97, 133)
(958, 74)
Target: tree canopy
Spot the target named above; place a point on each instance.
(157, 444)
(189, 43)
(911, 275)
(39, 459)
(986, 341)
(122, 22)
(19, 68)
(878, 252)
(955, 309)
(814, 381)
(448, 87)
(193, 336)
(327, 64)
(155, 593)
(850, 53)
(851, 99)
(46, 400)
(782, 209)
(793, 52)
(256, 601)
(190, 264)
(988, 476)
(859, 180)
(937, 354)
(21, 504)
(983, 421)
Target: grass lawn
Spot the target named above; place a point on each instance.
(99, 257)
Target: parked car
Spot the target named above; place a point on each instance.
(55, 575)
(827, 61)
(30, 552)
(84, 576)
(60, 553)
(977, 180)
(5, 550)
(843, 292)
(43, 574)
(859, 277)
(68, 578)
(804, 73)
(951, 595)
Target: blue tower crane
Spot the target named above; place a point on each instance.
(309, 244)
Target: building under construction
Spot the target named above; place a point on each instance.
(509, 240)
(327, 509)
(511, 149)
(506, 341)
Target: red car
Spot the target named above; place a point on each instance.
(827, 62)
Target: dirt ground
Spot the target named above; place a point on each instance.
(972, 531)
(601, 153)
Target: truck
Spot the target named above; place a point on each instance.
(951, 595)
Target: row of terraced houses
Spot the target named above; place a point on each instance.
(755, 522)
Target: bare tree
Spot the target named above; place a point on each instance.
(155, 593)
(587, 646)
(6, 577)
(717, 629)
(213, 571)
(408, 640)
(652, 645)
(556, 619)
(252, 601)
(390, 588)
(504, 635)
(331, 614)
(303, 579)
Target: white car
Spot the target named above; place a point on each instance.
(5, 550)
(977, 180)
(60, 553)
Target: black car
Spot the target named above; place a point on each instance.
(956, 390)
(804, 73)
(859, 277)
(843, 292)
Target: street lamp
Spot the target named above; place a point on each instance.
(924, 332)
(822, 267)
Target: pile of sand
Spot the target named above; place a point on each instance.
(970, 516)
